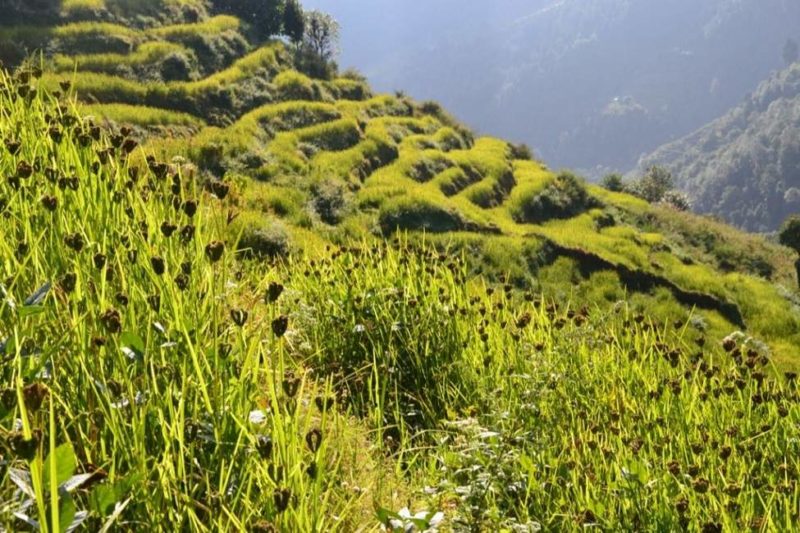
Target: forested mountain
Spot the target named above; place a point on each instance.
(589, 84)
(744, 166)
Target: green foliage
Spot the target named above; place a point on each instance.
(653, 185)
(565, 197)
(265, 18)
(533, 351)
(422, 214)
(155, 375)
(741, 167)
(294, 22)
(330, 201)
(790, 233)
(259, 237)
(613, 182)
(320, 45)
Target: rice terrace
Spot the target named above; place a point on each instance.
(242, 291)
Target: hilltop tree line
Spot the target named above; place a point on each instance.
(656, 186)
(313, 34)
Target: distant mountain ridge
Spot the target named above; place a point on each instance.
(548, 72)
(744, 166)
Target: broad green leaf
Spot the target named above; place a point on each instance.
(102, 498)
(385, 515)
(30, 310)
(66, 513)
(132, 342)
(65, 465)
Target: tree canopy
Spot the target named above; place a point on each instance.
(790, 233)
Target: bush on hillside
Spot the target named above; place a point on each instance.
(521, 152)
(260, 237)
(653, 185)
(676, 200)
(330, 201)
(613, 183)
(790, 233)
(177, 66)
(565, 197)
(418, 214)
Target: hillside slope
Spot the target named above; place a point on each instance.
(331, 161)
(744, 166)
(271, 302)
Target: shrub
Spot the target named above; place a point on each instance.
(653, 185)
(676, 200)
(294, 86)
(613, 183)
(330, 201)
(790, 233)
(565, 197)
(261, 238)
(408, 213)
(176, 67)
(521, 152)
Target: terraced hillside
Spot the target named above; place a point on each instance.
(268, 301)
(323, 160)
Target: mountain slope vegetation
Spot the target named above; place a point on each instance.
(268, 301)
(745, 166)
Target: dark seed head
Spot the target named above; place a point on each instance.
(158, 265)
(239, 317)
(111, 320)
(187, 233)
(34, 395)
(274, 292)
(712, 527)
(214, 251)
(24, 170)
(67, 282)
(264, 447)
(312, 470)
(99, 261)
(74, 241)
(8, 399)
(262, 526)
(314, 440)
(700, 485)
(167, 229)
(220, 189)
(25, 448)
(281, 498)
(50, 203)
(190, 208)
(129, 145)
(182, 281)
(290, 385)
(280, 325)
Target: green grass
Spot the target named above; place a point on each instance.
(475, 327)
(147, 393)
(139, 115)
(145, 54)
(178, 32)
